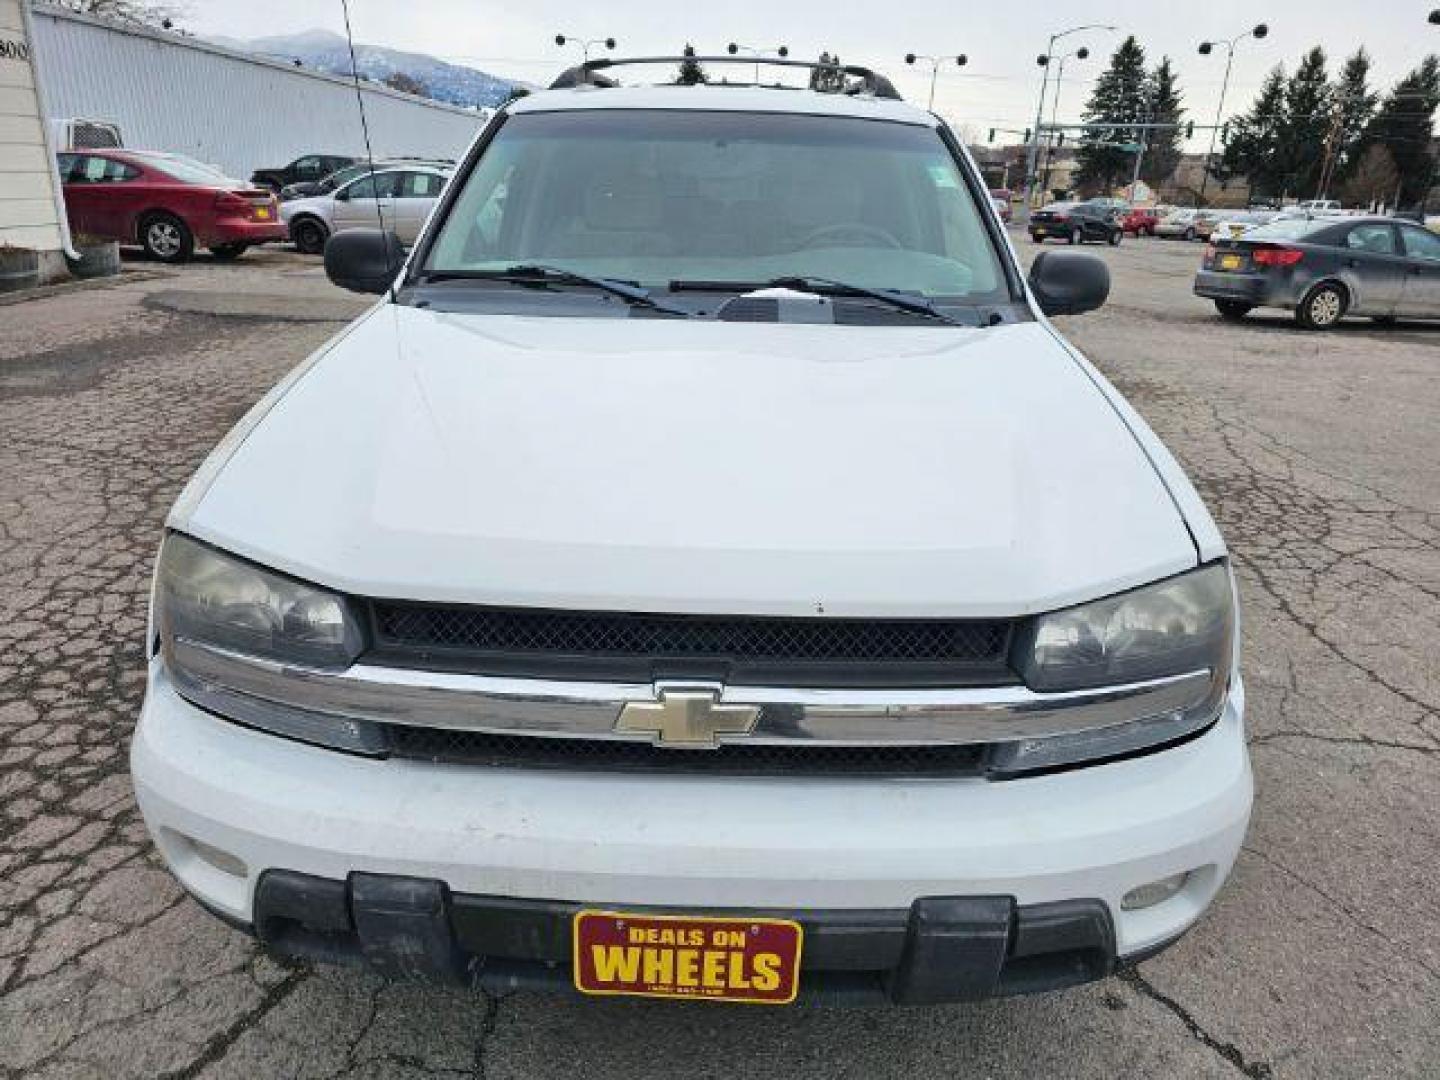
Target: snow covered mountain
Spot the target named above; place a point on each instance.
(323, 50)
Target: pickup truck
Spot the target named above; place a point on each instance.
(305, 169)
(705, 572)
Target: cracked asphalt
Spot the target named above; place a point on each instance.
(1318, 454)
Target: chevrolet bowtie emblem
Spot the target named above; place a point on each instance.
(690, 718)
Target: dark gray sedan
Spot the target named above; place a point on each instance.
(1324, 269)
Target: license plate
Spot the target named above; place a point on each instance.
(1229, 262)
(756, 961)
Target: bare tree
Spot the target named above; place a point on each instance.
(1374, 179)
(160, 13)
(406, 84)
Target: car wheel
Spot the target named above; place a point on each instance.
(1115, 238)
(1323, 307)
(166, 238)
(309, 235)
(1189, 234)
(226, 252)
(1233, 310)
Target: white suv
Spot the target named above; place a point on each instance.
(706, 573)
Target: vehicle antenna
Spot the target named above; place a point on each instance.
(365, 128)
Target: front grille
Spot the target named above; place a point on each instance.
(739, 650)
(745, 759)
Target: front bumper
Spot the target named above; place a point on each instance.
(226, 804)
(942, 949)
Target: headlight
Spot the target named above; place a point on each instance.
(1183, 624)
(227, 626)
(208, 598)
(1178, 631)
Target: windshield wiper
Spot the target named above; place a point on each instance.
(824, 286)
(540, 274)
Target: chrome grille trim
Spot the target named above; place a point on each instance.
(541, 708)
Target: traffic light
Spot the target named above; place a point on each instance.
(1060, 139)
(992, 136)
(1190, 130)
(1026, 139)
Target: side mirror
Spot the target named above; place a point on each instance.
(1064, 282)
(363, 260)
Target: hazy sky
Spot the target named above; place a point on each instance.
(999, 86)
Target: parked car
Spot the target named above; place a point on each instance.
(402, 197)
(1076, 223)
(1318, 206)
(1181, 223)
(1002, 207)
(306, 167)
(327, 184)
(166, 203)
(1235, 223)
(1324, 269)
(1140, 220)
(555, 625)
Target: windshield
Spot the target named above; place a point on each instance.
(655, 197)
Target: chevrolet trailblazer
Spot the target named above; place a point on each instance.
(705, 572)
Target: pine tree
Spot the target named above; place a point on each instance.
(1300, 147)
(1162, 155)
(1404, 124)
(1354, 106)
(690, 72)
(1120, 97)
(1252, 141)
(828, 78)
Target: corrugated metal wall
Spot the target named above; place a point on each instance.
(238, 112)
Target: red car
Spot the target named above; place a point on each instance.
(166, 203)
(1140, 220)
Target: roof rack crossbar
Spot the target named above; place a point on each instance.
(588, 73)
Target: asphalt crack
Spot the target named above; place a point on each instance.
(1256, 1070)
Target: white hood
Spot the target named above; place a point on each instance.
(659, 465)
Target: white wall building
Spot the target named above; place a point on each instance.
(32, 213)
(240, 112)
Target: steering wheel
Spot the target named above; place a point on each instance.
(816, 237)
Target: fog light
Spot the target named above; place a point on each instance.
(208, 854)
(1154, 892)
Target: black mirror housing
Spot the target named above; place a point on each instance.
(364, 260)
(1064, 282)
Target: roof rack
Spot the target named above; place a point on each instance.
(588, 73)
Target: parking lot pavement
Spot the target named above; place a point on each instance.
(1319, 455)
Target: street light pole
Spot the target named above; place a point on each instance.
(1206, 48)
(1079, 54)
(781, 51)
(563, 39)
(1032, 156)
(935, 62)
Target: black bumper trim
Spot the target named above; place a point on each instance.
(942, 949)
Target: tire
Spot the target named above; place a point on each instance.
(1115, 238)
(1383, 320)
(1189, 234)
(1037, 239)
(309, 235)
(1323, 307)
(166, 238)
(1233, 310)
(229, 252)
